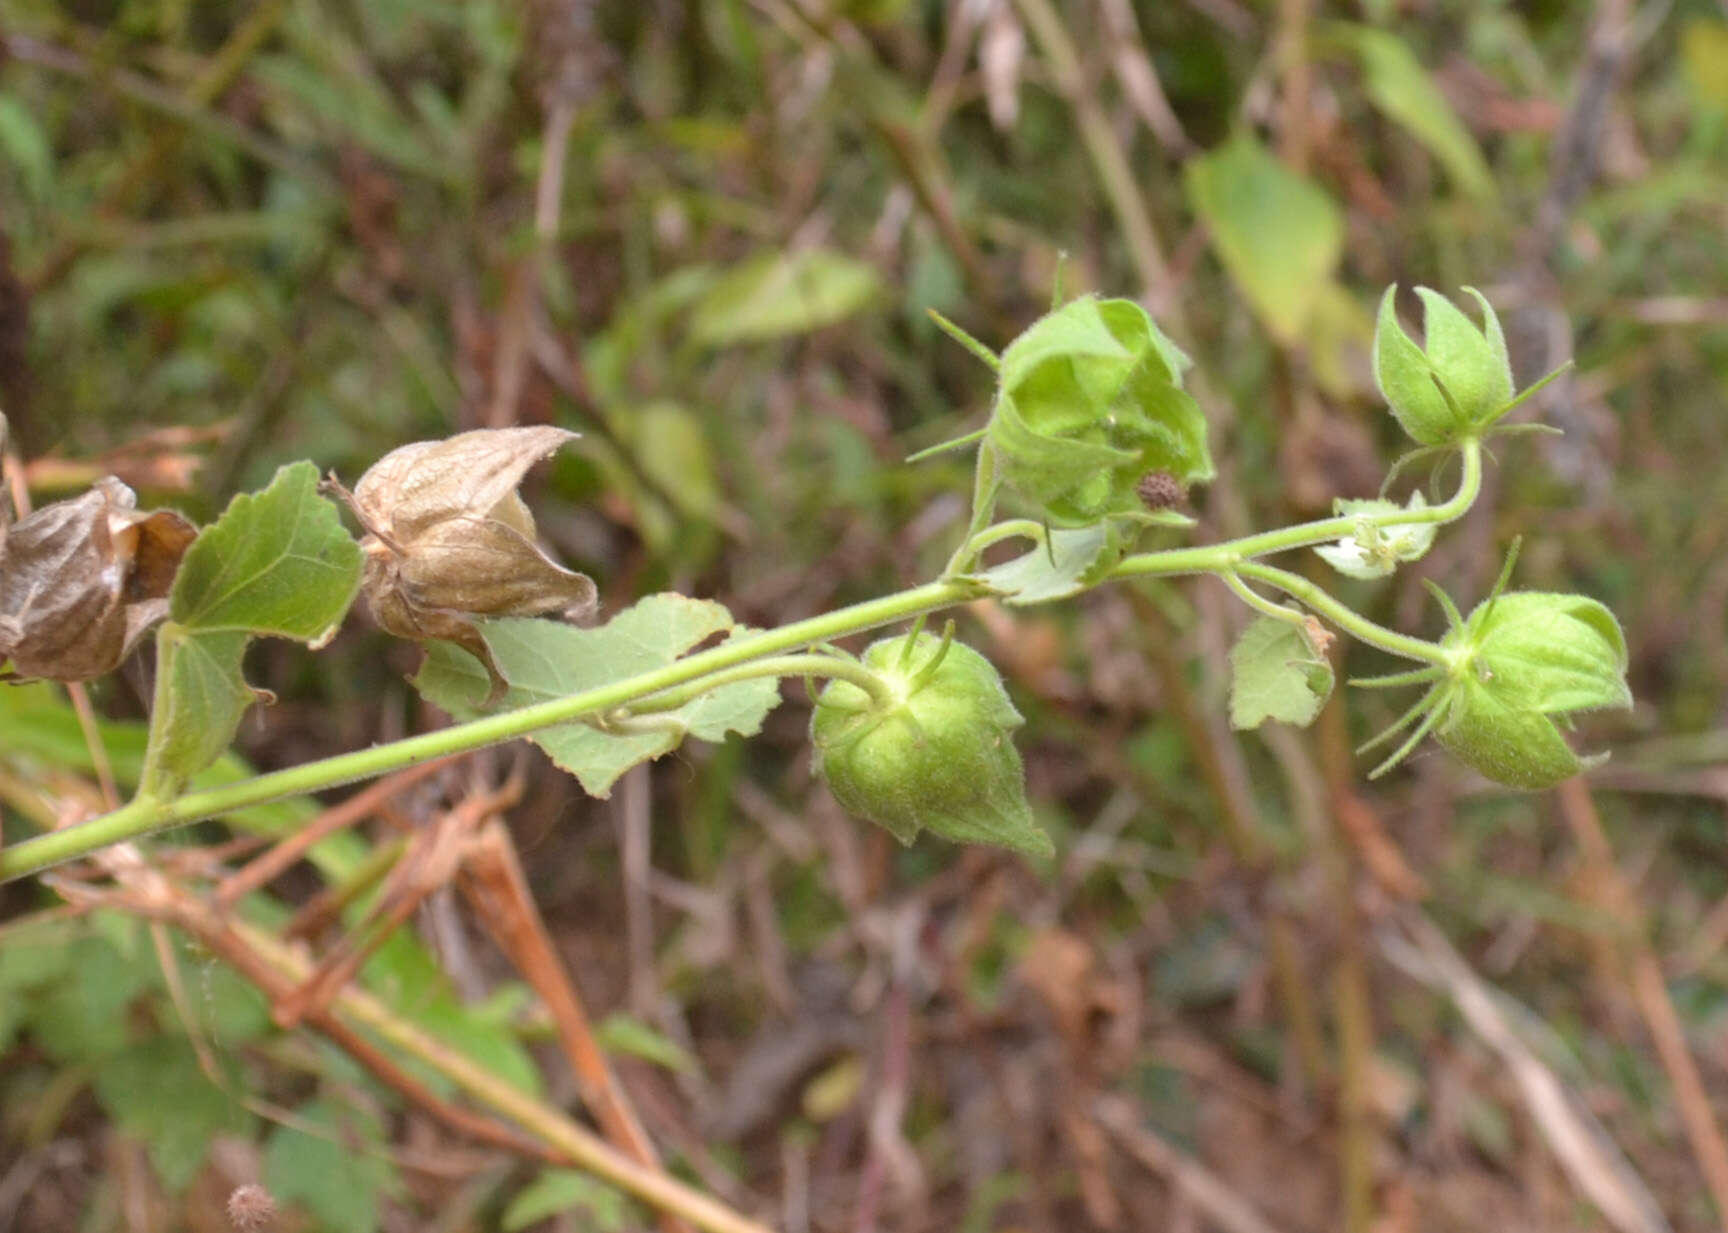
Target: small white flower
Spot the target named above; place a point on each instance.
(1375, 551)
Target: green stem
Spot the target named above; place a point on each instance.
(1258, 602)
(1217, 558)
(1347, 619)
(152, 810)
(146, 815)
(777, 666)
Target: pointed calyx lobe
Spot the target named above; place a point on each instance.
(82, 580)
(448, 539)
(1457, 384)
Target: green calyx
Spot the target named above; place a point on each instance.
(1455, 386)
(1520, 666)
(1090, 401)
(932, 751)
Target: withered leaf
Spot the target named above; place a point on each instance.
(448, 538)
(81, 580)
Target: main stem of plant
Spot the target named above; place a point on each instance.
(147, 814)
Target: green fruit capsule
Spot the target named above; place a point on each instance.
(935, 752)
(1528, 659)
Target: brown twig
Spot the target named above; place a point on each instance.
(350, 812)
(433, 856)
(495, 886)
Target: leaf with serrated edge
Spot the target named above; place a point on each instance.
(276, 562)
(1275, 673)
(544, 660)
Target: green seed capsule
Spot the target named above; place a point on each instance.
(935, 754)
(1531, 658)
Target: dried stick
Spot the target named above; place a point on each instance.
(493, 883)
(355, 809)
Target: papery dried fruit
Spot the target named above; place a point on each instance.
(448, 538)
(81, 580)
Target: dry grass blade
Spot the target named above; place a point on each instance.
(1650, 988)
(1592, 1160)
(1203, 1188)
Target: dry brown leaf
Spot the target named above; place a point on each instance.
(448, 538)
(81, 580)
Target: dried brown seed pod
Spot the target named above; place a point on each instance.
(448, 538)
(81, 580)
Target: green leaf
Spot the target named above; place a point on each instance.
(338, 1174)
(1071, 562)
(26, 147)
(543, 660)
(157, 1094)
(556, 1191)
(276, 562)
(620, 1033)
(776, 295)
(1276, 673)
(86, 1016)
(203, 697)
(1401, 88)
(1278, 234)
(1703, 53)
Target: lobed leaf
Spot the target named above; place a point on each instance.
(543, 660)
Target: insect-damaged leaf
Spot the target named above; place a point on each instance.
(543, 660)
(81, 580)
(1276, 672)
(448, 538)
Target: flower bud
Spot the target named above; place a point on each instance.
(935, 752)
(1090, 401)
(1455, 386)
(1526, 660)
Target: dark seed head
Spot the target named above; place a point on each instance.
(1161, 490)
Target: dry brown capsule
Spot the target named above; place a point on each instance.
(448, 538)
(81, 580)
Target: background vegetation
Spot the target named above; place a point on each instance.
(1252, 991)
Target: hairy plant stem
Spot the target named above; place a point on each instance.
(152, 811)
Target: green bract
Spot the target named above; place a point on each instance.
(1090, 400)
(1454, 387)
(934, 753)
